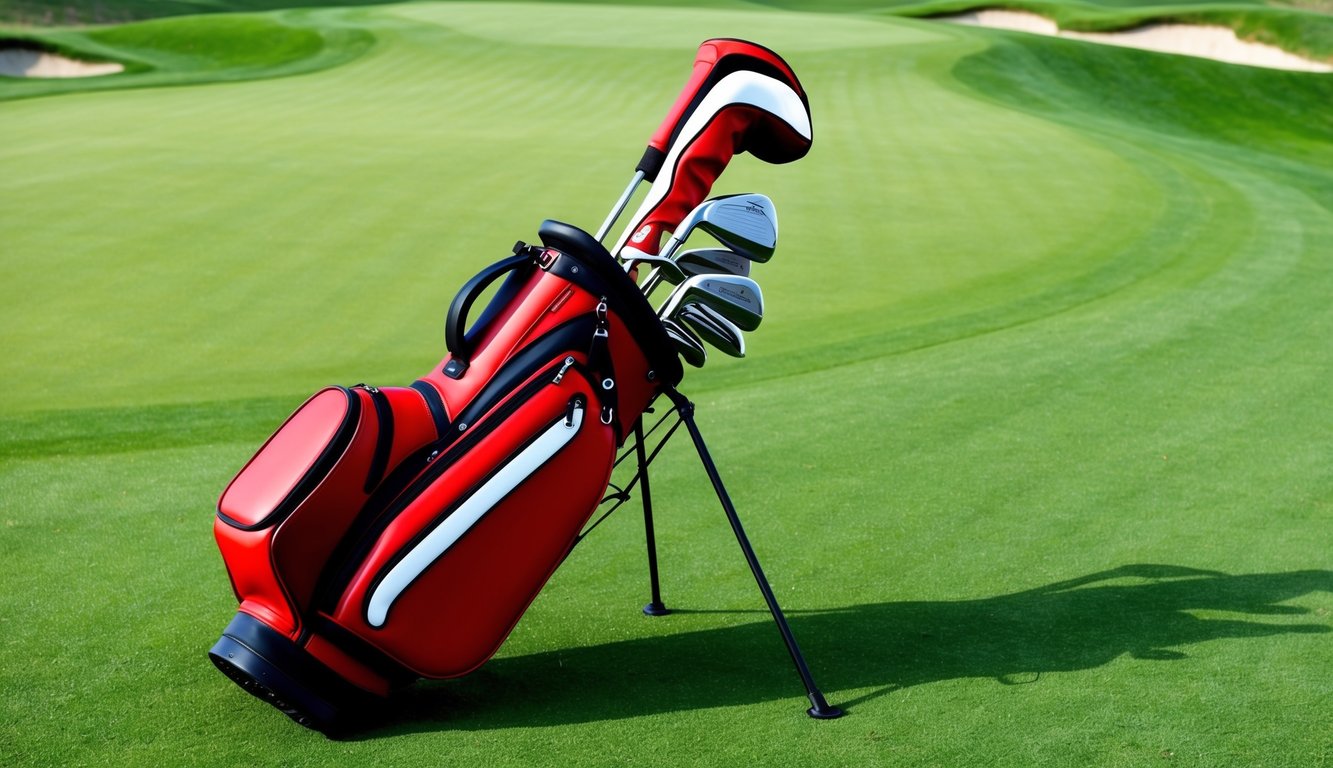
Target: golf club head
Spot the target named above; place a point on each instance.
(747, 224)
(700, 261)
(689, 346)
(736, 298)
(712, 261)
(712, 328)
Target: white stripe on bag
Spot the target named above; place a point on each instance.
(439, 540)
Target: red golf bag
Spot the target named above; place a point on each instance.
(385, 534)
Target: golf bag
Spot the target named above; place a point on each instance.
(386, 534)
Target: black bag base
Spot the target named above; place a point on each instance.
(272, 668)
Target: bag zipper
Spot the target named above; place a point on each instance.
(438, 462)
(447, 529)
(379, 462)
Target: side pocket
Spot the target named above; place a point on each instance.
(292, 462)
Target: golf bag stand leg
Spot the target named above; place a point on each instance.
(654, 606)
(819, 708)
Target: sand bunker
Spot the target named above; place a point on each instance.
(26, 62)
(1207, 42)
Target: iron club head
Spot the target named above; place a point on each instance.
(745, 223)
(712, 328)
(689, 346)
(712, 261)
(736, 298)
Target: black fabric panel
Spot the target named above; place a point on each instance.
(608, 278)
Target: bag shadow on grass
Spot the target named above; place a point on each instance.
(1146, 612)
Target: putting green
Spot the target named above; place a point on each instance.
(1033, 441)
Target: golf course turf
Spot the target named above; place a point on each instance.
(1034, 443)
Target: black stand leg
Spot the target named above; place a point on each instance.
(655, 606)
(819, 707)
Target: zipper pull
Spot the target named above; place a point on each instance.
(574, 404)
(559, 376)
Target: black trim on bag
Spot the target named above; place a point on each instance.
(365, 540)
(586, 263)
(313, 476)
(268, 664)
(398, 489)
(448, 511)
(568, 336)
(364, 652)
(379, 462)
(436, 405)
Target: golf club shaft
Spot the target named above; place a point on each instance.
(655, 277)
(654, 280)
(619, 207)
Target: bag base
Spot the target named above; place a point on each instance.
(272, 668)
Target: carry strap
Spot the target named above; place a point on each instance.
(455, 325)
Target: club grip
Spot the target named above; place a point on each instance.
(651, 162)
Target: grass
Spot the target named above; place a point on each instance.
(40, 12)
(1033, 443)
(194, 50)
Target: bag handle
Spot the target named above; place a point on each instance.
(455, 325)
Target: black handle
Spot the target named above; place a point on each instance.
(455, 326)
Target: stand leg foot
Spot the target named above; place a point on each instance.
(822, 710)
(655, 609)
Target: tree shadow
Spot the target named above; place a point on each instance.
(1144, 611)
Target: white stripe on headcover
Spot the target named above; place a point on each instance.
(492, 492)
(743, 87)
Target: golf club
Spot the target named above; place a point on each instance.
(750, 220)
(736, 298)
(699, 261)
(661, 265)
(710, 261)
(712, 328)
(745, 223)
(689, 346)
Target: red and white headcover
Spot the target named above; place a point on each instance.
(741, 97)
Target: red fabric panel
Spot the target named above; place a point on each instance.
(459, 611)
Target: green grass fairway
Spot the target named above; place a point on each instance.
(1034, 444)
